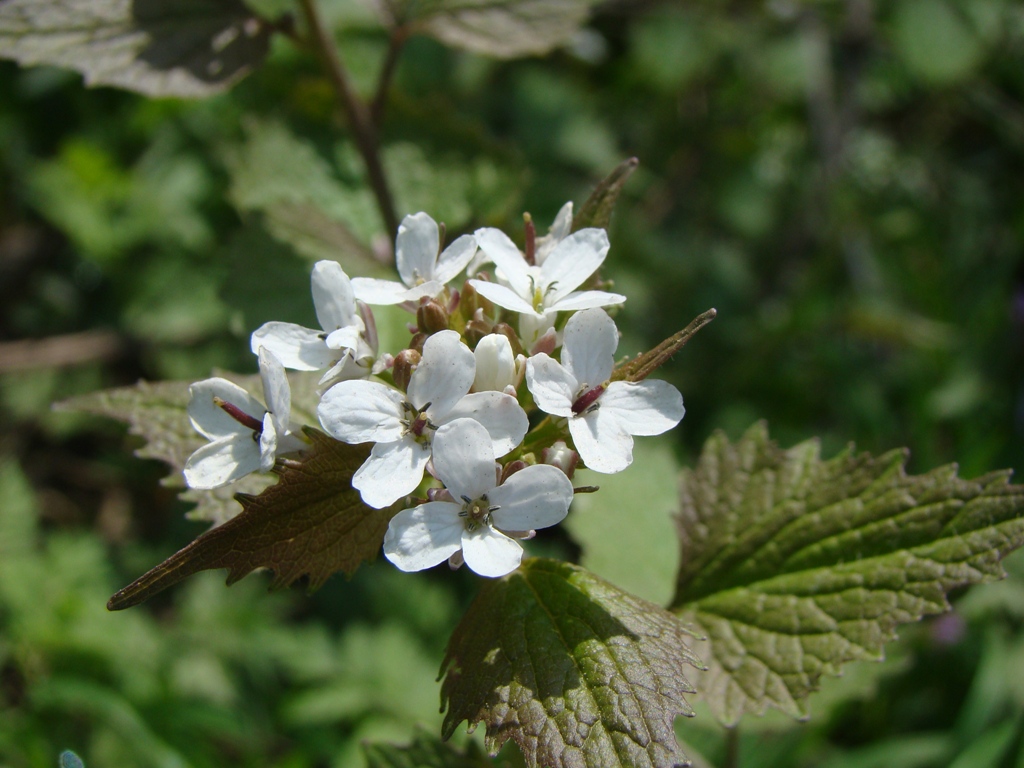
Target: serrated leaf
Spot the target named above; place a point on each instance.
(185, 48)
(504, 29)
(312, 523)
(793, 566)
(158, 413)
(574, 670)
(596, 211)
(425, 751)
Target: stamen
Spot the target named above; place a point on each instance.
(236, 413)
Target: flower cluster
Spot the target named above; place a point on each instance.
(529, 338)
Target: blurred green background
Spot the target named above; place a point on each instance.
(843, 181)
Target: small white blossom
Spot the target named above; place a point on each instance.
(402, 425)
(424, 536)
(423, 267)
(541, 290)
(245, 436)
(603, 415)
(346, 345)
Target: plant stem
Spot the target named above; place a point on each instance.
(732, 748)
(358, 115)
(398, 37)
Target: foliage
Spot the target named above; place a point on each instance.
(840, 181)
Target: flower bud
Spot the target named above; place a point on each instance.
(509, 333)
(417, 341)
(511, 468)
(431, 317)
(405, 363)
(495, 364)
(532, 328)
(562, 456)
(545, 343)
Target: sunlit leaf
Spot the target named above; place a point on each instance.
(504, 29)
(157, 47)
(793, 566)
(573, 669)
(425, 751)
(596, 211)
(312, 523)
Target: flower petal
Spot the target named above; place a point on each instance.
(298, 348)
(503, 297)
(362, 412)
(276, 389)
(454, 258)
(601, 441)
(552, 386)
(416, 248)
(572, 261)
(500, 414)
(588, 346)
(444, 374)
(495, 363)
(506, 257)
(220, 462)
(647, 407)
(424, 536)
(464, 459)
(585, 300)
(535, 497)
(343, 338)
(491, 553)
(333, 296)
(212, 421)
(268, 444)
(560, 229)
(379, 292)
(392, 471)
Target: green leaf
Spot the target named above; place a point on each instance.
(504, 29)
(596, 211)
(425, 751)
(793, 566)
(185, 48)
(575, 670)
(312, 523)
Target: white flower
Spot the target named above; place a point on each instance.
(550, 287)
(346, 345)
(402, 425)
(534, 497)
(245, 436)
(423, 267)
(602, 415)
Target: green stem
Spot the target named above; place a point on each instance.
(356, 112)
(732, 748)
(642, 366)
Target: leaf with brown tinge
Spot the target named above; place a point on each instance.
(312, 523)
